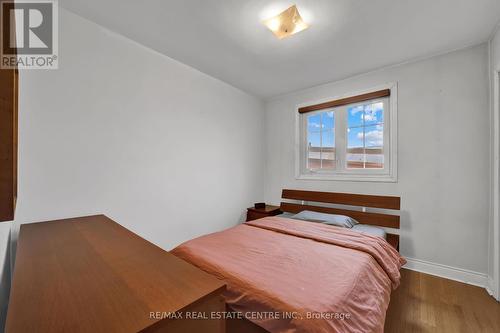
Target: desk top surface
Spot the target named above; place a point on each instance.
(90, 274)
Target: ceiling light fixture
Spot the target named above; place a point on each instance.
(286, 23)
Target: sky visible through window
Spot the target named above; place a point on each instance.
(362, 121)
(365, 122)
(321, 129)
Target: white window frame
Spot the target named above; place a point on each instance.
(388, 174)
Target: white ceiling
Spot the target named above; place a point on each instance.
(225, 38)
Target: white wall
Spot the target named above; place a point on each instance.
(443, 164)
(163, 149)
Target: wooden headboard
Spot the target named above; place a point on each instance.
(308, 198)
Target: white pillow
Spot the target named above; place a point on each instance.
(333, 219)
(371, 230)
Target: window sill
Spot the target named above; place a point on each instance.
(349, 177)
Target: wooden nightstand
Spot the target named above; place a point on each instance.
(258, 213)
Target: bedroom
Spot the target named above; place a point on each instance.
(172, 118)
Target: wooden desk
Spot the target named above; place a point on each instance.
(92, 275)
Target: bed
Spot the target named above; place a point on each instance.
(285, 275)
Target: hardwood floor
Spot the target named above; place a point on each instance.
(425, 303)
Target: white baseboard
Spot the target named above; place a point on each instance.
(448, 272)
(491, 289)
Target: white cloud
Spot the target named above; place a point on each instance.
(375, 107)
(369, 116)
(356, 109)
(373, 138)
(372, 108)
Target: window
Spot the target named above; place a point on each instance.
(365, 136)
(349, 139)
(321, 141)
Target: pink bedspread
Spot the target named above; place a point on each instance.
(294, 276)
